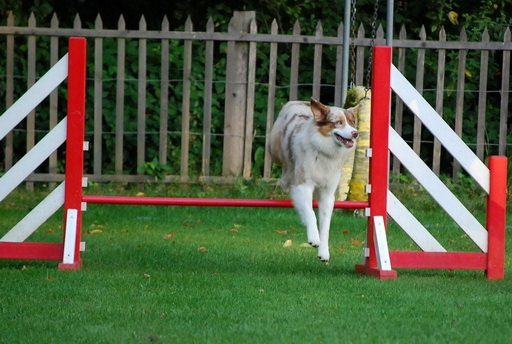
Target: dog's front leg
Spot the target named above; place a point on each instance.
(325, 208)
(302, 196)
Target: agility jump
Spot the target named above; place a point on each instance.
(378, 260)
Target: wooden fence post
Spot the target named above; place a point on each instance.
(236, 92)
(98, 99)
(505, 87)
(272, 71)
(294, 68)
(9, 91)
(441, 62)
(420, 69)
(207, 108)
(482, 98)
(31, 80)
(459, 102)
(164, 95)
(399, 105)
(120, 85)
(54, 98)
(185, 105)
(141, 97)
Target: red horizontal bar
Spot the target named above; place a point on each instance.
(31, 250)
(209, 202)
(438, 260)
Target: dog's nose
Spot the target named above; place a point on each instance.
(355, 134)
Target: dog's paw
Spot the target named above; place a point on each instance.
(323, 259)
(314, 239)
(315, 244)
(323, 255)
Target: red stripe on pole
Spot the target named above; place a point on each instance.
(209, 202)
(496, 217)
(438, 260)
(75, 133)
(31, 250)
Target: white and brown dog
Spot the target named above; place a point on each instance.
(311, 141)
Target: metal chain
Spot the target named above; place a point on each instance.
(353, 44)
(372, 43)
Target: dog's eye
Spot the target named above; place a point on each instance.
(339, 123)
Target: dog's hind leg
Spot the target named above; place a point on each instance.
(302, 196)
(325, 209)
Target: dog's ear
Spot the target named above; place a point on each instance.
(351, 113)
(320, 111)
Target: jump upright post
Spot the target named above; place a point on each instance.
(379, 261)
(69, 193)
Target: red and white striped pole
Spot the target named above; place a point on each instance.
(379, 160)
(496, 215)
(75, 145)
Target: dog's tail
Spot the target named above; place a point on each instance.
(274, 145)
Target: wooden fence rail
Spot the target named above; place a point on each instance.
(203, 103)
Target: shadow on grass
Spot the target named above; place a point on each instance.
(188, 260)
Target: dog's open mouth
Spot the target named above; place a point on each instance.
(343, 141)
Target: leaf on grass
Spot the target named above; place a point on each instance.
(233, 230)
(340, 248)
(147, 227)
(23, 268)
(306, 245)
(237, 225)
(281, 231)
(168, 237)
(355, 242)
(288, 243)
(49, 231)
(345, 232)
(146, 275)
(96, 231)
(139, 194)
(50, 278)
(202, 249)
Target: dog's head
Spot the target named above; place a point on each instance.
(336, 122)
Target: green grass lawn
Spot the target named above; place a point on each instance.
(222, 275)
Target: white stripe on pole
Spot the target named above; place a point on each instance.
(42, 212)
(35, 157)
(438, 190)
(70, 238)
(381, 244)
(440, 129)
(410, 225)
(34, 95)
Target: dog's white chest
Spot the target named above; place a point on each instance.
(323, 171)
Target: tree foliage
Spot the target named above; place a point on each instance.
(473, 15)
